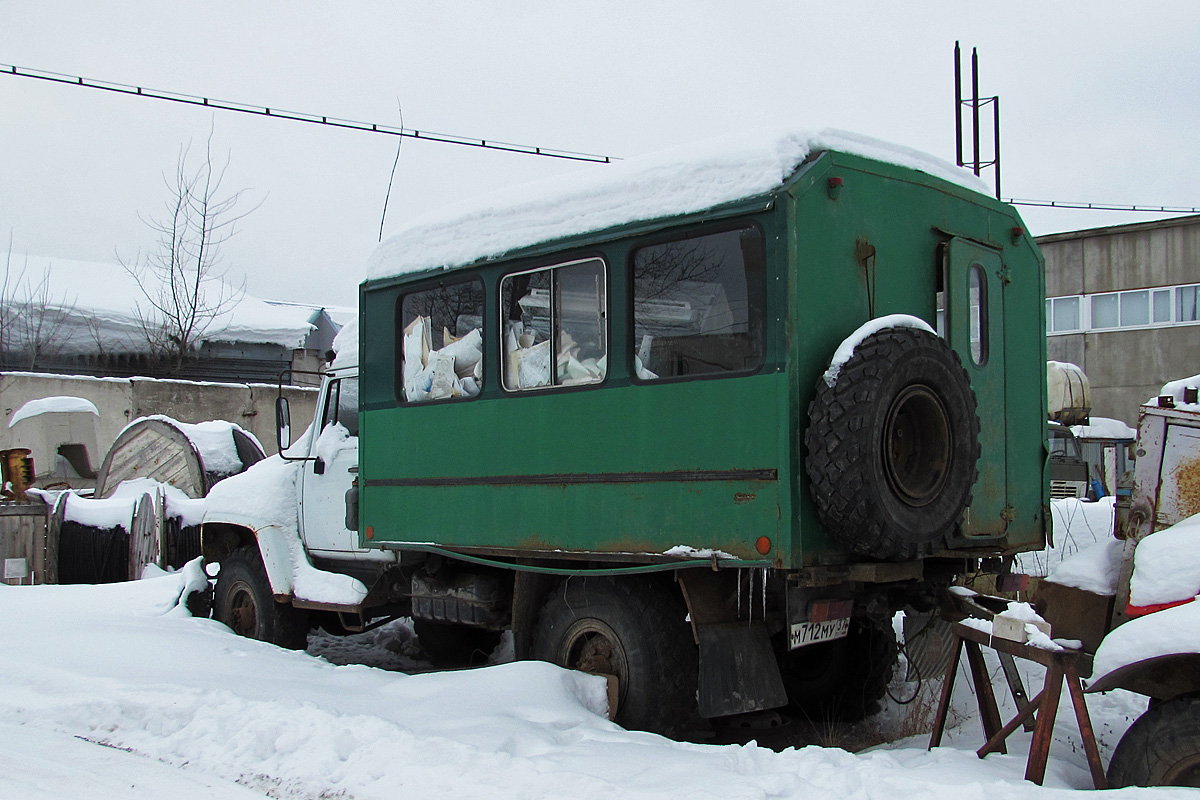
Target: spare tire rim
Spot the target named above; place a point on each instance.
(917, 445)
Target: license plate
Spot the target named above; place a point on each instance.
(812, 632)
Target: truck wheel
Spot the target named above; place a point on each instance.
(842, 680)
(1161, 747)
(634, 630)
(893, 445)
(450, 644)
(244, 602)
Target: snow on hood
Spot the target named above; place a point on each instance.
(53, 405)
(681, 180)
(266, 495)
(101, 301)
(1165, 566)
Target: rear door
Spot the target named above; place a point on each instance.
(974, 285)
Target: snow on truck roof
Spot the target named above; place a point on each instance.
(681, 180)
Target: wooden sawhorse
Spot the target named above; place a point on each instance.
(1060, 665)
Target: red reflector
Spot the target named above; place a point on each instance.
(370, 532)
(763, 545)
(825, 610)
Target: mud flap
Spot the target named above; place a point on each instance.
(928, 645)
(738, 670)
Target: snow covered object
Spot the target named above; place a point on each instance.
(1156, 651)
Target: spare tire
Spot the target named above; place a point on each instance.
(893, 444)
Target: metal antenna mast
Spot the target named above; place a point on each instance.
(975, 103)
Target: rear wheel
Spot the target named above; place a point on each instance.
(634, 630)
(1161, 748)
(243, 601)
(842, 680)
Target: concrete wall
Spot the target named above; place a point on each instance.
(1125, 367)
(122, 400)
(1122, 257)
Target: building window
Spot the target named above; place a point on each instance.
(699, 305)
(1062, 314)
(1105, 311)
(1187, 300)
(441, 353)
(1162, 305)
(555, 326)
(1135, 308)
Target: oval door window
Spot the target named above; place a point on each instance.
(979, 320)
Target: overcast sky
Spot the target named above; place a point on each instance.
(1100, 102)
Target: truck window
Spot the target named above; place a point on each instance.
(555, 317)
(341, 405)
(441, 353)
(698, 305)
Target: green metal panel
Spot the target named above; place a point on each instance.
(633, 469)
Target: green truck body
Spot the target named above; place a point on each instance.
(629, 470)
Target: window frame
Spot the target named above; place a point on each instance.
(752, 303)
(555, 324)
(1087, 318)
(440, 282)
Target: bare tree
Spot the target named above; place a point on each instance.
(182, 279)
(34, 323)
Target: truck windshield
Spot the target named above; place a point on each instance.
(1064, 443)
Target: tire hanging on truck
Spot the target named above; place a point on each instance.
(893, 445)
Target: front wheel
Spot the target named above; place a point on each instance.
(634, 630)
(1161, 747)
(244, 602)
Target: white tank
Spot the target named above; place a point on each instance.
(1068, 393)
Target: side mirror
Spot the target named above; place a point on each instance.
(283, 424)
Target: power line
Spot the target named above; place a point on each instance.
(298, 116)
(1104, 206)
(447, 138)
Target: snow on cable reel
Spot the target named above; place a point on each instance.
(893, 441)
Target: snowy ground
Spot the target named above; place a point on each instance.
(114, 692)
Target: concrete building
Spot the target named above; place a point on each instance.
(1122, 303)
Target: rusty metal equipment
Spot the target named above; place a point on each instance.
(16, 466)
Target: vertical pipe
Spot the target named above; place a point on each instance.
(996, 110)
(958, 138)
(975, 104)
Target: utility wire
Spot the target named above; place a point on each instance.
(447, 138)
(298, 116)
(1103, 206)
